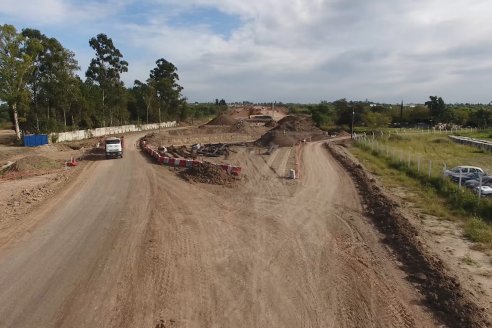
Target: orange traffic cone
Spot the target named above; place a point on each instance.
(73, 162)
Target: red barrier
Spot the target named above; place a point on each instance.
(235, 170)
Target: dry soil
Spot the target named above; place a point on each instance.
(128, 243)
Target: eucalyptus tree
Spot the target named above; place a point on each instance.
(35, 50)
(147, 93)
(105, 68)
(15, 65)
(163, 78)
(52, 81)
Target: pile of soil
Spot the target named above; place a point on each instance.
(299, 123)
(207, 173)
(279, 139)
(443, 292)
(223, 119)
(34, 163)
(290, 130)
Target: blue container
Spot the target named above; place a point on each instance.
(34, 140)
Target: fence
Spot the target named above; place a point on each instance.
(429, 173)
(99, 132)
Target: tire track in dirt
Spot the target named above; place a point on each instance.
(147, 246)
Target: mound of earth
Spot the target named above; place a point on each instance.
(290, 130)
(279, 139)
(297, 124)
(34, 163)
(207, 173)
(223, 119)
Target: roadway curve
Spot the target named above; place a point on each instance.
(128, 244)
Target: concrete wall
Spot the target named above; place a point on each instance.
(99, 132)
(482, 144)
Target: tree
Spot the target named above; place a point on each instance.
(35, 50)
(52, 81)
(15, 65)
(375, 120)
(481, 117)
(147, 95)
(106, 68)
(322, 114)
(438, 110)
(418, 114)
(163, 78)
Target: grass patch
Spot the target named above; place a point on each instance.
(478, 231)
(441, 140)
(469, 261)
(434, 195)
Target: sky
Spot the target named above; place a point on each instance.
(302, 51)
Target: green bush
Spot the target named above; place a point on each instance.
(478, 231)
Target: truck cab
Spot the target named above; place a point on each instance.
(114, 148)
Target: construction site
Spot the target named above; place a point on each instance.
(255, 218)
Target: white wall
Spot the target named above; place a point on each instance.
(99, 132)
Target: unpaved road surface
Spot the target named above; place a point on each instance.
(128, 244)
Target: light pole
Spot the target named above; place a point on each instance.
(352, 126)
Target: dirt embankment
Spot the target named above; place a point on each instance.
(443, 292)
(208, 173)
(290, 130)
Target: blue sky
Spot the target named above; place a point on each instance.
(285, 50)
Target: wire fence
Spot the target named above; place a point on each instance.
(427, 171)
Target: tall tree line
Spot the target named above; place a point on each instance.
(430, 113)
(40, 86)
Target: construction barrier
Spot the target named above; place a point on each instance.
(182, 162)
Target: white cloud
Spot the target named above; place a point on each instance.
(52, 12)
(297, 50)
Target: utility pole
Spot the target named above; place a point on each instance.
(352, 126)
(401, 115)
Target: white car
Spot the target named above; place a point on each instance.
(484, 190)
(463, 170)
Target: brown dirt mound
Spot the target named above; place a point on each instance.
(208, 173)
(223, 119)
(442, 291)
(34, 163)
(278, 138)
(297, 124)
(290, 130)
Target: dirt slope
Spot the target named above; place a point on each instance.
(131, 244)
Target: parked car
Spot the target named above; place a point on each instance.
(454, 173)
(466, 176)
(473, 183)
(484, 190)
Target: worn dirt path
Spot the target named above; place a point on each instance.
(129, 244)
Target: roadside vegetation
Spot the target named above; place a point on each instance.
(395, 159)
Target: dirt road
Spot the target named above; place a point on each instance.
(129, 244)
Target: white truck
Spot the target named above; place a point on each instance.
(114, 147)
